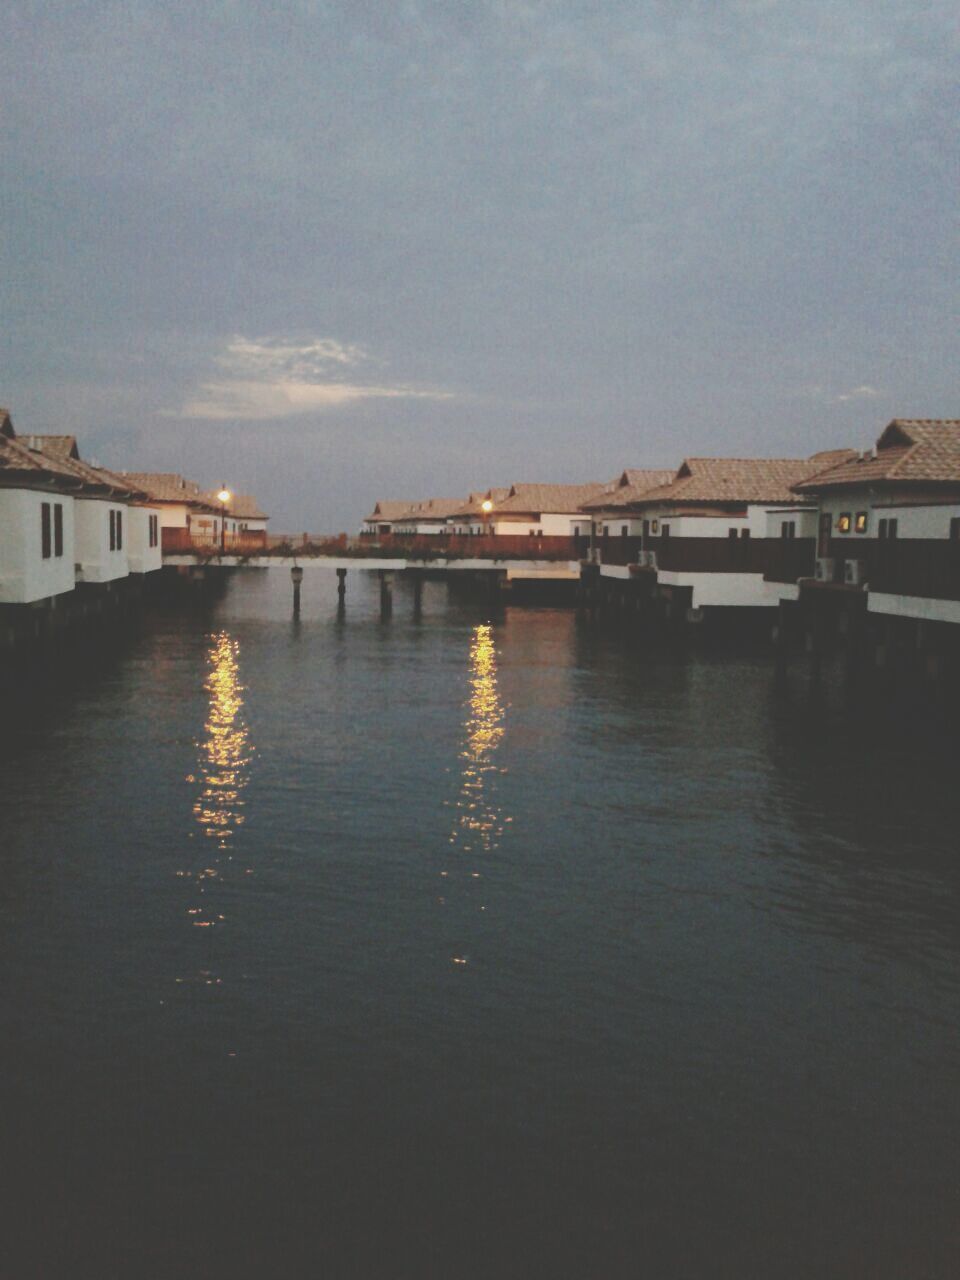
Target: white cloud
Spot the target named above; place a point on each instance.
(860, 393)
(264, 378)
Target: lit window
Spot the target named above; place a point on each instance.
(654, 526)
(860, 522)
(843, 522)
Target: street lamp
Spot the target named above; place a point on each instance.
(224, 496)
(486, 506)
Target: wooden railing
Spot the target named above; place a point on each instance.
(185, 541)
(506, 546)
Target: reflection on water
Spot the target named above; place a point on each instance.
(479, 822)
(225, 753)
(224, 764)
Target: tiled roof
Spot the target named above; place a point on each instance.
(62, 450)
(637, 484)
(166, 486)
(17, 460)
(54, 446)
(432, 509)
(910, 451)
(388, 510)
(529, 499)
(243, 506)
(737, 480)
(474, 503)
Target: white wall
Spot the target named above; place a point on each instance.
(550, 524)
(95, 561)
(615, 524)
(912, 521)
(717, 590)
(763, 521)
(141, 557)
(173, 515)
(24, 574)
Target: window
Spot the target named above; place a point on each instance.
(788, 528)
(843, 522)
(113, 530)
(58, 529)
(744, 533)
(955, 529)
(860, 522)
(664, 531)
(45, 530)
(119, 530)
(654, 526)
(152, 522)
(887, 528)
(623, 531)
(732, 533)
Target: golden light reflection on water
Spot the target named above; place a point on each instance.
(225, 752)
(479, 821)
(223, 771)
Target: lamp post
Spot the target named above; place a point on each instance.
(224, 496)
(486, 506)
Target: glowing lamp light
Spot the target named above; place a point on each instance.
(486, 506)
(224, 495)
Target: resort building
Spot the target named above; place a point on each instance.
(428, 517)
(541, 510)
(187, 514)
(888, 523)
(724, 532)
(615, 529)
(381, 521)
(37, 525)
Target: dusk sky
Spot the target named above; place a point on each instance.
(332, 252)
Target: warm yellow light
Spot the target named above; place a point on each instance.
(224, 495)
(486, 506)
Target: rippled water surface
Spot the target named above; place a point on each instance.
(468, 946)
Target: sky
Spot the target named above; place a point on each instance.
(336, 252)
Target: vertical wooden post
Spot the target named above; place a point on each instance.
(417, 594)
(386, 594)
(341, 588)
(296, 576)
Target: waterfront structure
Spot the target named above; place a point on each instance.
(238, 518)
(471, 520)
(187, 514)
(381, 520)
(725, 533)
(117, 530)
(541, 510)
(615, 528)
(37, 527)
(429, 517)
(889, 521)
(75, 538)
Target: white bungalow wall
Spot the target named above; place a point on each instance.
(25, 576)
(95, 561)
(762, 522)
(141, 557)
(913, 520)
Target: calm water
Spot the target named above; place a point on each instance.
(468, 947)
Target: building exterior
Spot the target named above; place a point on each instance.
(888, 523)
(540, 510)
(429, 517)
(615, 529)
(383, 517)
(187, 514)
(725, 532)
(37, 528)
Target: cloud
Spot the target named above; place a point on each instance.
(264, 378)
(860, 393)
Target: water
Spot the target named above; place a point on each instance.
(468, 947)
